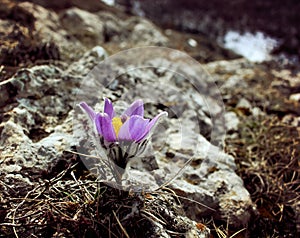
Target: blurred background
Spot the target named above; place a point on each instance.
(268, 25)
(215, 18)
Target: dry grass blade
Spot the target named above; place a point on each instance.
(185, 198)
(122, 228)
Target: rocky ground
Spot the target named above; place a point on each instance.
(50, 55)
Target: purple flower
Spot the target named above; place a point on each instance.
(131, 126)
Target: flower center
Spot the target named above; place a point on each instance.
(117, 123)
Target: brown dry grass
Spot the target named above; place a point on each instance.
(267, 152)
(68, 201)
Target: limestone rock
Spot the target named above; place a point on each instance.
(145, 33)
(232, 121)
(210, 177)
(40, 115)
(39, 127)
(84, 26)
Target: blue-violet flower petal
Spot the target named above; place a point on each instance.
(136, 108)
(133, 128)
(105, 128)
(150, 125)
(87, 109)
(108, 108)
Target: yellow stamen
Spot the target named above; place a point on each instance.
(117, 123)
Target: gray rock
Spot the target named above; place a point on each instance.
(131, 32)
(232, 121)
(244, 104)
(295, 97)
(210, 178)
(286, 75)
(113, 26)
(84, 26)
(143, 33)
(48, 28)
(231, 74)
(256, 111)
(42, 119)
(39, 127)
